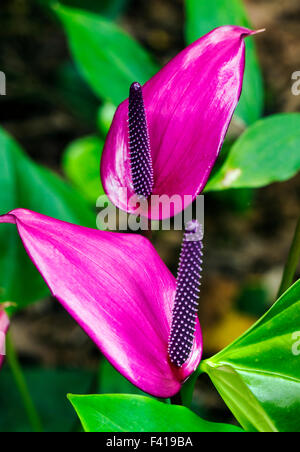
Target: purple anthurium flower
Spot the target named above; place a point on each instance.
(122, 294)
(165, 139)
(4, 324)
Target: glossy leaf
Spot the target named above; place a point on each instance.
(267, 152)
(129, 413)
(108, 58)
(81, 163)
(258, 376)
(23, 183)
(202, 17)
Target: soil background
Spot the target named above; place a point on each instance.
(248, 233)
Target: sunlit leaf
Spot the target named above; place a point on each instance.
(258, 376)
(132, 413)
(267, 152)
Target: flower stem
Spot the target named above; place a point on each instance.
(21, 384)
(292, 263)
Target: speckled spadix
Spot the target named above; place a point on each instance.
(139, 144)
(185, 309)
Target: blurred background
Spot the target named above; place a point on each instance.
(49, 105)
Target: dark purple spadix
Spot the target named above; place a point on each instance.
(187, 295)
(139, 144)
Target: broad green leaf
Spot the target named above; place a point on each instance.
(108, 58)
(202, 17)
(23, 184)
(48, 389)
(81, 164)
(258, 376)
(267, 152)
(132, 413)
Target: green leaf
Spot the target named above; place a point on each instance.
(202, 17)
(108, 58)
(267, 152)
(27, 185)
(48, 389)
(258, 375)
(132, 413)
(81, 164)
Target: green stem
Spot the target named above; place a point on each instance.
(21, 384)
(187, 390)
(292, 263)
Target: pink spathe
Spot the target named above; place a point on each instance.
(189, 105)
(118, 289)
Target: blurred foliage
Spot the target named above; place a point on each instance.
(108, 8)
(105, 116)
(113, 61)
(76, 94)
(81, 164)
(239, 201)
(48, 389)
(112, 382)
(230, 326)
(253, 299)
(27, 185)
